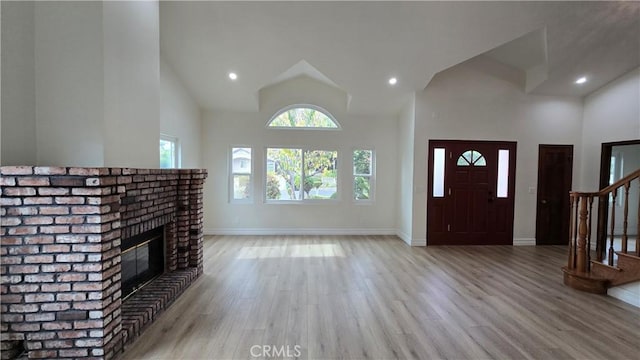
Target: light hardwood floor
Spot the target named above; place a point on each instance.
(373, 297)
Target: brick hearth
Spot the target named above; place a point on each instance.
(60, 250)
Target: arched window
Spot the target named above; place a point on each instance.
(471, 158)
(303, 117)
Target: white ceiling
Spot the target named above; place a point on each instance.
(358, 46)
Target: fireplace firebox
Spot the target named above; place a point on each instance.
(142, 260)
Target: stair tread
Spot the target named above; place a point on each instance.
(628, 255)
(612, 267)
(584, 275)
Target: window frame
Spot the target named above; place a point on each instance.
(177, 156)
(303, 200)
(307, 106)
(372, 177)
(232, 175)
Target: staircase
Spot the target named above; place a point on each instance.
(616, 259)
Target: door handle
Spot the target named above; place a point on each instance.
(544, 201)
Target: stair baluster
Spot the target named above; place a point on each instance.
(581, 271)
(581, 253)
(626, 216)
(589, 232)
(613, 226)
(573, 206)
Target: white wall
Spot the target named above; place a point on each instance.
(610, 114)
(0, 87)
(473, 101)
(222, 130)
(131, 50)
(87, 83)
(404, 215)
(180, 116)
(18, 85)
(69, 83)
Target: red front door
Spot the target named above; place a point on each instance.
(471, 185)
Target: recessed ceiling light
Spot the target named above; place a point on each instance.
(233, 76)
(581, 80)
(393, 81)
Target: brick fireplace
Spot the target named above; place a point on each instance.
(62, 231)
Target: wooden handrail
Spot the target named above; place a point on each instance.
(632, 176)
(581, 224)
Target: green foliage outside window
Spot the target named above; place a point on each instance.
(303, 118)
(316, 178)
(363, 172)
(167, 154)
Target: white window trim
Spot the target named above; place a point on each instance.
(302, 201)
(309, 106)
(248, 200)
(177, 156)
(372, 178)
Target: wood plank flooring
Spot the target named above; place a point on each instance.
(373, 297)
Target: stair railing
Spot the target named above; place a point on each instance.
(581, 220)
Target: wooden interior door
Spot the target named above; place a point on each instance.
(555, 169)
(464, 204)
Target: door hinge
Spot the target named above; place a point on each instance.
(450, 155)
(449, 227)
(449, 191)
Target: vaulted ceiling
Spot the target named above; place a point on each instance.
(358, 46)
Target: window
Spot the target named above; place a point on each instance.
(438, 172)
(363, 170)
(169, 152)
(300, 174)
(471, 158)
(241, 170)
(503, 173)
(305, 117)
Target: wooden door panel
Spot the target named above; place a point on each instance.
(480, 214)
(502, 219)
(462, 177)
(480, 178)
(469, 213)
(439, 218)
(555, 163)
(460, 223)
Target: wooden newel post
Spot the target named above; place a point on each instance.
(581, 251)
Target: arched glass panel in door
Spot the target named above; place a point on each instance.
(471, 158)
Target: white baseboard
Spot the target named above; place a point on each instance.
(298, 231)
(404, 236)
(407, 239)
(419, 242)
(524, 242)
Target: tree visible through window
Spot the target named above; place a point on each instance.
(168, 152)
(362, 174)
(303, 117)
(297, 174)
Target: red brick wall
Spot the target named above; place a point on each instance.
(60, 250)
